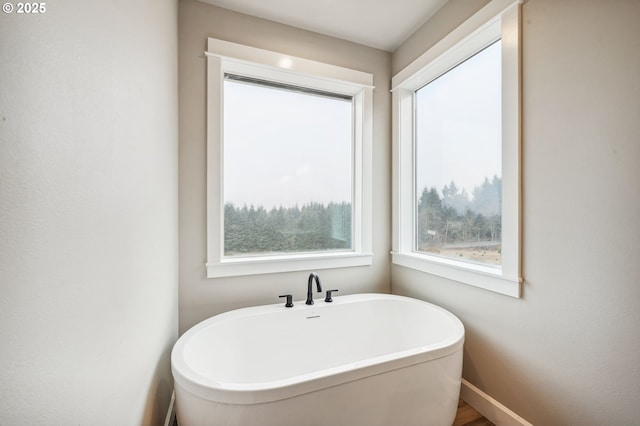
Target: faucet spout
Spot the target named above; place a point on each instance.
(312, 276)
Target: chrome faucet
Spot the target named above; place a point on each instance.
(312, 276)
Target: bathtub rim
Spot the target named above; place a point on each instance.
(263, 392)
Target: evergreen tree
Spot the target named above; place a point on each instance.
(453, 218)
(310, 228)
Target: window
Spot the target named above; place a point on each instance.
(289, 167)
(458, 167)
(457, 155)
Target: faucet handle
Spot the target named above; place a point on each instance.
(289, 303)
(328, 299)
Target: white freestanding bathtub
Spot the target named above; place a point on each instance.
(366, 359)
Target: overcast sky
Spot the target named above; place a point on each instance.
(283, 148)
(459, 124)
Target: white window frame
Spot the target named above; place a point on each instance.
(499, 19)
(226, 57)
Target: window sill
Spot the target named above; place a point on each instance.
(486, 277)
(254, 265)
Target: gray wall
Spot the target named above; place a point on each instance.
(447, 18)
(201, 297)
(88, 213)
(567, 352)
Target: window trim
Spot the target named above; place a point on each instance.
(498, 19)
(227, 57)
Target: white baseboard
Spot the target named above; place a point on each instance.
(489, 407)
(171, 412)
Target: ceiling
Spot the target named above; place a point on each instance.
(383, 24)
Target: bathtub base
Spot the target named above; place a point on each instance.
(424, 394)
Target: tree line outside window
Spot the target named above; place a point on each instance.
(457, 224)
(250, 230)
(450, 222)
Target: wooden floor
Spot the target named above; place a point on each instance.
(468, 416)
